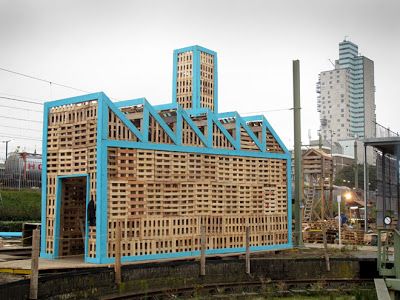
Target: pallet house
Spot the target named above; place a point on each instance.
(162, 173)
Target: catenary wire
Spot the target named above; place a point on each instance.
(28, 129)
(19, 119)
(21, 108)
(21, 100)
(19, 137)
(41, 79)
(19, 96)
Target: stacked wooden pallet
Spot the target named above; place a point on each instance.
(168, 196)
(353, 237)
(71, 149)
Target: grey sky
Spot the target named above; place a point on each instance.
(124, 48)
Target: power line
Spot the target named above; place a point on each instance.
(34, 130)
(21, 100)
(43, 80)
(266, 111)
(19, 96)
(20, 137)
(18, 119)
(20, 108)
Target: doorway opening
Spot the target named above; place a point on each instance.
(72, 217)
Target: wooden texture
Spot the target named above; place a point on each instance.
(117, 265)
(33, 288)
(184, 79)
(71, 149)
(203, 245)
(163, 198)
(247, 250)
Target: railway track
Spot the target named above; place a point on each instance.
(8, 254)
(281, 287)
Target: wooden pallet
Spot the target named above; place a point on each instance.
(168, 196)
(71, 149)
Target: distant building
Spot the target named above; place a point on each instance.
(346, 99)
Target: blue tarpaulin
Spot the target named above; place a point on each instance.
(10, 234)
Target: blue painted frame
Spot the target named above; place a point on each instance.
(43, 253)
(46, 109)
(57, 212)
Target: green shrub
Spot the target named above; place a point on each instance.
(11, 226)
(21, 205)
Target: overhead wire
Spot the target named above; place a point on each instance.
(20, 119)
(20, 137)
(21, 100)
(267, 111)
(21, 108)
(27, 129)
(19, 96)
(43, 80)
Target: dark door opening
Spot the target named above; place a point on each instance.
(72, 217)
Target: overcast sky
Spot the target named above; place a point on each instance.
(124, 48)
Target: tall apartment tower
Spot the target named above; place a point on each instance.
(346, 98)
(195, 79)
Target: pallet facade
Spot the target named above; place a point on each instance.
(161, 173)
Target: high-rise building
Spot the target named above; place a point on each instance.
(346, 98)
(195, 78)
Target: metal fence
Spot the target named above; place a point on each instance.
(387, 181)
(21, 170)
(382, 131)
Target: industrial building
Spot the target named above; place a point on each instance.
(162, 174)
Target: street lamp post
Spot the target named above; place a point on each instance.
(6, 142)
(339, 200)
(356, 165)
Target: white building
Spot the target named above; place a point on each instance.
(346, 99)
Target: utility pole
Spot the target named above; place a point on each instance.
(356, 166)
(322, 186)
(6, 142)
(297, 154)
(366, 188)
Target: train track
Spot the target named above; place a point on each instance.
(16, 253)
(282, 287)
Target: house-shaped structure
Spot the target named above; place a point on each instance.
(162, 173)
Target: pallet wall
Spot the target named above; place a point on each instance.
(71, 149)
(161, 199)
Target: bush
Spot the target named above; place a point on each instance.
(19, 206)
(11, 226)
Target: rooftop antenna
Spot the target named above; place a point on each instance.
(309, 136)
(331, 62)
(346, 37)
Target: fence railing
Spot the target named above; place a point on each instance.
(382, 131)
(20, 171)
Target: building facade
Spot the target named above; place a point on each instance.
(161, 175)
(346, 97)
